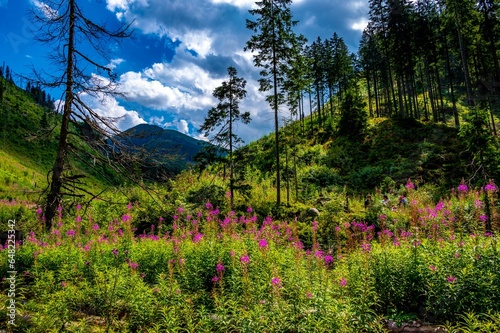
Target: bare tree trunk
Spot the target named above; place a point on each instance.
(54, 196)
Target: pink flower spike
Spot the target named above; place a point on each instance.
(263, 243)
(451, 279)
(245, 259)
(342, 282)
(220, 267)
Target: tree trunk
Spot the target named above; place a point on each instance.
(54, 196)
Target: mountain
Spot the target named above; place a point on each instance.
(159, 141)
(163, 152)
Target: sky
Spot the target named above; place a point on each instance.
(178, 54)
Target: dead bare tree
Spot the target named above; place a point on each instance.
(80, 50)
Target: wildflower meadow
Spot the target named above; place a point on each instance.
(213, 271)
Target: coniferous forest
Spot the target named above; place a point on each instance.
(373, 206)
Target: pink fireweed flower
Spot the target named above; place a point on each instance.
(115, 252)
(309, 295)
(95, 227)
(133, 265)
(220, 267)
(59, 208)
(451, 279)
(39, 211)
(483, 218)
(337, 228)
(409, 185)
(209, 206)
(198, 237)
(126, 218)
(462, 187)
(319, 254)
(86, 248)
(366, 247)
(342, 282)
(249, 210)
(129, 206)
(70, 233)
(245, 259)
(276, 282)
(78, 219)
(215, 279)
(432, 268)
(456, 255)
(491, 187)
(78, 207)
(263, 243)
(180, 210)
(328, 259)
(63, 284)
(314, 225)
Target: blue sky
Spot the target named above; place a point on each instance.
(179, 52)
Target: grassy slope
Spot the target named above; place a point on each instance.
(28, 150)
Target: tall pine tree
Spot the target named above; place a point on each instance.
(222, 118)
(273, 41)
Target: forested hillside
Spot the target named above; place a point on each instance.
(418, 100)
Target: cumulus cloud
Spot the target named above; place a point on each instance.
(360, 24)
(115, 63)
(208, 36)
(109, 107)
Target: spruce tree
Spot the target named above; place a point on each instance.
(273, 40)
(222, 118)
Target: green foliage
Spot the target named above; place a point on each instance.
(212, 193)
(237, 273)
(353, 119)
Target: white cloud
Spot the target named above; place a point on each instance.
(114, 5)
(360, 24)
(48, 11)
(237, 3)
(109, 107)
(115, 62)
(183, 126)
(198, 41)
(156, 120)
